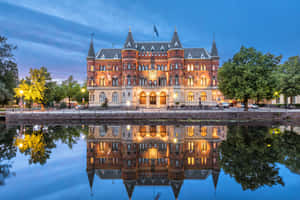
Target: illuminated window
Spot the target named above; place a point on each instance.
(190, 97)
(191, 131)
(92, 68)
(203, 131)
(143, 98)
(115, 98)
(203, 96)
(102, 81)
(190, 81)
(191, 160)
(163, 98)
(215, 132)
(92, 160)
(191, 146)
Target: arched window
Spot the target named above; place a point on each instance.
(203, 131)
(102, 81)
(203, 81)
(163, 98)
(190, 97)
(115, 98)
(153, 98)
(170, 80)
(176, 80)
(128, 80)
(102, 98)
(115, 82)
(143, 98)
(203, 96)
(190, 81)
(191, 131)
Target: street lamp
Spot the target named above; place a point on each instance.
(83, 91)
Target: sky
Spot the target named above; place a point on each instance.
(56, 34)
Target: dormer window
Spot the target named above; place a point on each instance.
(116, 56)
(162, 48)
(103, 56)
(190, 55)
(152, 48)
(143, 48)
(128, 44)
(176, 44)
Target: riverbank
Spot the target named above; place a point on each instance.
(86, 116)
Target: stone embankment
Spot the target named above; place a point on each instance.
(67, 117)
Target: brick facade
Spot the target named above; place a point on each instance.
(153, 74)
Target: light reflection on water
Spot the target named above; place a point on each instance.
(149, 161)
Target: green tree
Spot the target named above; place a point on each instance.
(8, 71)
(71, 88)
(289, 78)
(34, 87)
(249, 155)
(250, 74)
(82, 94)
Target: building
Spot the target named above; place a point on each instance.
(161, 155)
(153, 74)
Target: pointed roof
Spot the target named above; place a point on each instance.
(214, 50)
(215, 176)
(129, 43)
(91, 53)
(129, 185)
(91, 174)
(176, 186)
(175, 42)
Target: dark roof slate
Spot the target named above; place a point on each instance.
(195, 53)
(109, 54)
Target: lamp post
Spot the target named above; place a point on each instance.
(83, 91)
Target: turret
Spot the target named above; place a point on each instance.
(91, 174)
(91, 53)
(175, 42)
(214, 50)
(129, 43)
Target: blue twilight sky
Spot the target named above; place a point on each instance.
(56, 33)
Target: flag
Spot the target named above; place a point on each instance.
(155, 30)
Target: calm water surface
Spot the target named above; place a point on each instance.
(152, 162)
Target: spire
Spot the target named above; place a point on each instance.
(176, 186)
(214, 50)
(215, 176)
(175, 42)
(129, 43)
(91, 53)
(91, 174)
(129, 185)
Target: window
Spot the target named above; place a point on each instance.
(153, 98)
(190, 81)
(128, 80)
(203, 81)
(190, 97)
(203, 96)
(176, 66)
(158, 67)
(176, 80)
(166, 68)
(92, 68)
(102, 98)
(128, 66)
(102, 81)
(143, 98)
(191, 160)
(170, 80)
(115, 98)
(115, 82)
(203, 131)
(163, 98)
(191, 131)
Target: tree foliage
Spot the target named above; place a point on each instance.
(250, 74)
(289, 77)
(8, 71)
(250, 154)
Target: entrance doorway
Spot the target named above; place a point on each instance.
(152, 98)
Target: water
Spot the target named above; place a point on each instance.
(123, 161)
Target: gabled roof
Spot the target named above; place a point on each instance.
(109, 54)
(195, 53)
(152, 46)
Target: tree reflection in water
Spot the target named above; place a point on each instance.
(250, 155)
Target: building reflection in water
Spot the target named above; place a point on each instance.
(154, 155)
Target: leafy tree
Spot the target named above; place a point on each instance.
(250, 74)
(8, 71)
(289, 78)
(34, 87)
(82, 94)
(71, 88)
(53, 93)
(249, 155)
